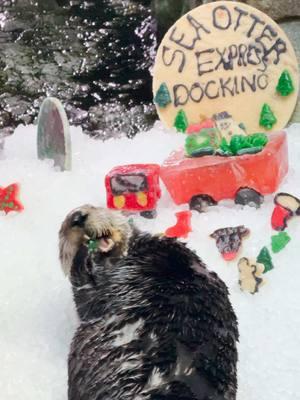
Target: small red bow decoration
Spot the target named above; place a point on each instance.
(9, 198)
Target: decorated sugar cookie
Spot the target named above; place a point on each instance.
(9, 198)
(286, 206)
(229, 240)
(264, 257)
(227, 126)
(250, 275)
(279, 241)
(226, 57)
(182, 227)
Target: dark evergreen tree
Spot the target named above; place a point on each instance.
(265, 258)
(162, 97)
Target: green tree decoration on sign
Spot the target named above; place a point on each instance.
(265, 258)
(181, 122)
(285, 84)
(267, 117)
(162, 97)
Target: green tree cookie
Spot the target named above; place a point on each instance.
(267, 117)
(265, 258)
(280, 241)
(181, 122)
(285, 84)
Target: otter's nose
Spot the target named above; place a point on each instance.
(78, 219)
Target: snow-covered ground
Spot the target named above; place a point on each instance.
(37, 317)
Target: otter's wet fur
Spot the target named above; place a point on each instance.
(155, 323)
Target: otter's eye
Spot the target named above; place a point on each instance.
(78, 219)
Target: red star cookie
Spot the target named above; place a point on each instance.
(9, 198)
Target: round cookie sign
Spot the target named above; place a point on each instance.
(226, 59)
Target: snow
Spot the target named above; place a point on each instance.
(37, 316)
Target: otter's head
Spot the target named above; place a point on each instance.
(109, 230)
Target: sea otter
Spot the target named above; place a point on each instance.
(155, 323)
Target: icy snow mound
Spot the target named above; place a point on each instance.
(36, 308)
